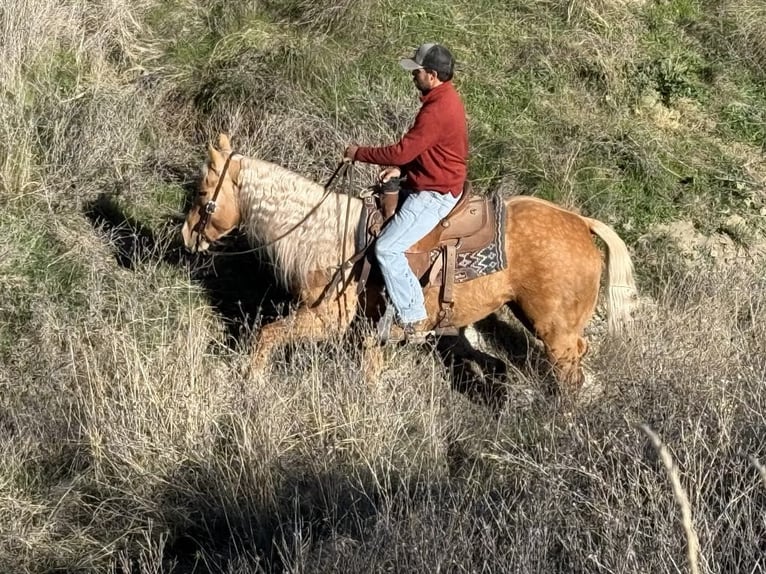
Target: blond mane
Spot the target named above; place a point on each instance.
(273, 200)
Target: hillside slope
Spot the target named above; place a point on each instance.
(131, 441)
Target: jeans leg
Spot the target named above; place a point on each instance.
(418, 215)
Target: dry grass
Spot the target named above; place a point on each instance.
(130, 440)
(154, 450)
(682, 499)
(133, 441)
(750, 37)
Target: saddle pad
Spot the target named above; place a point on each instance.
(489, 259)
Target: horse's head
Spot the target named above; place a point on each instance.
(215, 211)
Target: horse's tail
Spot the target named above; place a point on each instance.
(621, 286)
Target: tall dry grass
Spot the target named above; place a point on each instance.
(130, 440)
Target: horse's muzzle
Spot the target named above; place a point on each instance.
(193, 241)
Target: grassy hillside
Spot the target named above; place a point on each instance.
(130, 440)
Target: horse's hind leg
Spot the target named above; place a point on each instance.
(565, 351)
(561, 334)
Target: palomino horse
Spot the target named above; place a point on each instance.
(551, 281)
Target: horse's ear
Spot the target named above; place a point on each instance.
(214, 156)
(223, 143)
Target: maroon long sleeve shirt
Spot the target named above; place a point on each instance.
(433, 154)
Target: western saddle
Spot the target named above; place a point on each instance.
(469, 227)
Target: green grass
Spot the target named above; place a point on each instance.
(745, 119)
(152, 209)
(46, 268)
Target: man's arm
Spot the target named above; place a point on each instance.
(424, 134)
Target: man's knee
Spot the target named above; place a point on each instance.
(385, 252)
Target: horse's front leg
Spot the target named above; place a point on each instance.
(309, 323)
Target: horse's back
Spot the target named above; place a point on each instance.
(541, 226)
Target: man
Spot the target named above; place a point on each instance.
(432, 155)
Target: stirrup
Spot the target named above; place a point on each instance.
(411, 335)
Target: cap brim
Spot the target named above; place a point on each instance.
(409, 64)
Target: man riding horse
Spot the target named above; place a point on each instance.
(548, 272)
(432, 156)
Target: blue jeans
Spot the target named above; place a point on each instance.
(418, 215)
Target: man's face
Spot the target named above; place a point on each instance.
(424, 79)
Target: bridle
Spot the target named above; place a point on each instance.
(206, 210)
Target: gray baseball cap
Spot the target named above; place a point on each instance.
(432, 57)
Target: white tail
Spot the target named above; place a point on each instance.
(622, 292)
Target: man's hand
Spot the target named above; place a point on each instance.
(350, 153)
(388, 173)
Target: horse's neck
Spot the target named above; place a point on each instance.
(273, 202)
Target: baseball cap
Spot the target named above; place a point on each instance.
(432, 57)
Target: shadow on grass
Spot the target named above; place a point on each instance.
(212, 528)
(240, 286)
(485, 378)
